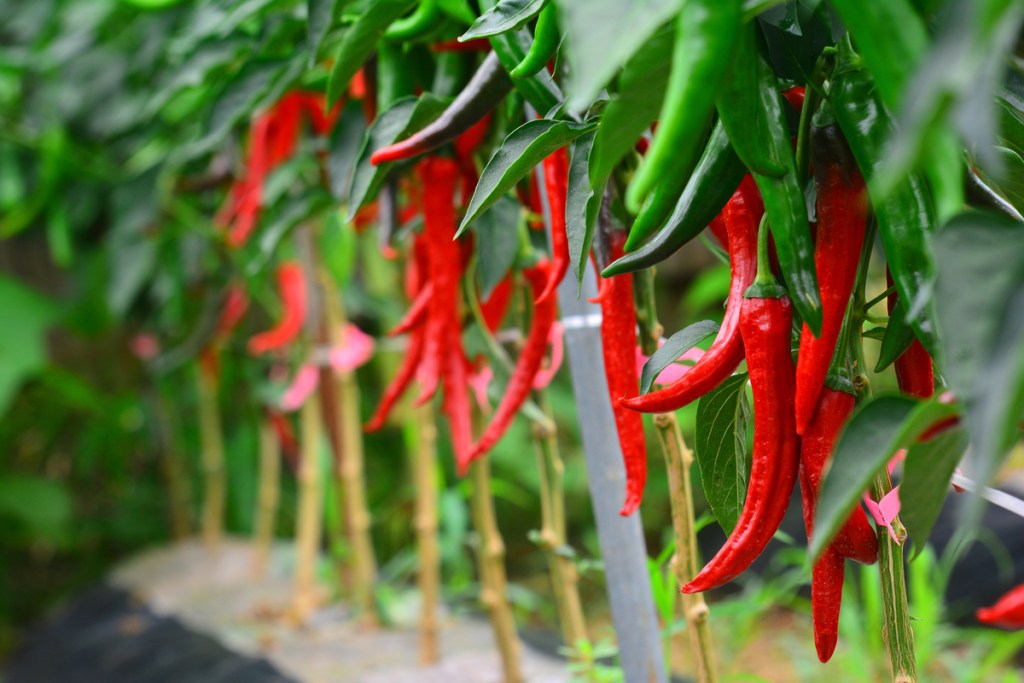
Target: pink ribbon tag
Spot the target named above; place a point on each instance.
(885, 510)
(355, 349)
(546, 374)
(304, 384)
(478, 382)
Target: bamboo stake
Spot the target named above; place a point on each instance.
(357, 513)
(561, 566)
(310, 509)
(179, 491)
(685, 565)
(491, 562)
(678, 460)
(214, 474)
(424, 455)
(267, 498)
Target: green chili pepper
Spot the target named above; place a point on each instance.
(760, 114)
(716, 177)
(425, 17)
(746, 106)
(906, 215)
(394, 77)
(706, 33)
(544, 46)
(511, 48)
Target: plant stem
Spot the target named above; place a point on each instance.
(214, 475)
(179, 492)
(897, 632)
(267, 499)
(424, 465)
(310, 509)
(491, 562)
(685, 564)
(561, 565)
(678, 460)
(357, 513)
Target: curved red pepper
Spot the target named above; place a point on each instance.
(915, 371)
(416, 314)
(493, 309)
(291, 286)
(618, 345)
(403, 378)
(826, 600)
(741, 216)
(520, 384)
(556, 184)
(842, 218)
(857, 539)
(1008, 612)
(765, 326)
(456, 405)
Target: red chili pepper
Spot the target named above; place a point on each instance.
(520, 384)
(915, 372)
(235, 305)
(765, 326)
(741, 216)
(842, 218)
(496, 305)
(856, 540)
(795, 97)
(826, 600)
(403, 378)
(439, 176)
(1008, 612)
(618, 345)
(291, 286)
(454, 45)
(456, 403)
(556, 184)
(416, 314)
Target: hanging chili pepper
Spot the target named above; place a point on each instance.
(765, 321)
(416, 314)
(481, 95)
(706, 33)
(1008, 612)
(473, 45)
(439, 176)
(827, 577)
(520, 384)
(907, 215)
(456, 405)
(915, 372)
(741, 217)
(556, 183)
(544, 45)
(715, 178)
(493, 308)
(842, 219)
(750, 108)
(618, 345)
(403, 378)
(291, 287)
(425, 17)
(856, 540)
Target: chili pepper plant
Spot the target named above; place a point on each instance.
(369, 214)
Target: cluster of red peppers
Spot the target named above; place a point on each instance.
(800, 409)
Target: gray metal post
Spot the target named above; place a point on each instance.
(623, 549)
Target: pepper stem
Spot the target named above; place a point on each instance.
(422, 441)
(765, 286)
(268, 496)
(214, 474)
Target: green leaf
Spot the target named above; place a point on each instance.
(581, 205)
(359, 42)
(524, 148)
(721, 448)
(507, 15)
(678, 344)
(401, 120)
(338, 248)
(601, 36)
(899, 335)
(319, 17)
(343, 149)
(28, 316)
(926, 475)
(1007, 177)
(628, 114)
(242, 93)
(497, 241)
(878, 429)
